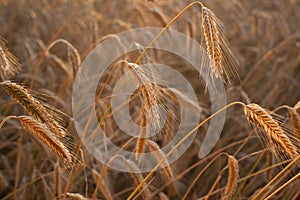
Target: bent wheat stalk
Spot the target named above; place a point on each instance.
(43, 133)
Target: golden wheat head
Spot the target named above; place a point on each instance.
(40, 131)
(221, 60)
(276, 136)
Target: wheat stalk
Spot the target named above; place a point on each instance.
(3, 182)
(159, 155)
(102, 185)
(295, 121)
(140, 145)
(233, 167)
(33, 106)
(9, 64)
(43, 133)
(137, 176)
(57, 185)
(261, 118)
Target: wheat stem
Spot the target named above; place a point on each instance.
(275, 178)
(178, 144)
(283, 186)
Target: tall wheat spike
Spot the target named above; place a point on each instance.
(221, 60)
(9, 64)
(233, 167)
(33, 106)
(211, 34)
(43, 133)
(262, 118)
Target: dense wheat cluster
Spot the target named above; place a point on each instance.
(252, 46)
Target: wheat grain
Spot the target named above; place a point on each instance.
(233, 167)
(261, 118)
(43, 133)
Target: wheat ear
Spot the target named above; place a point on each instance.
(148, 94)
(233, 167)
(221, 60)
(43, 133)
(211, 34)
(261, 118)
(9, 64)
(33, 106)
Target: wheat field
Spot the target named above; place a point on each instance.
(251, 46)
